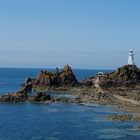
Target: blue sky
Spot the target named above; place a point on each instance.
(91, 34)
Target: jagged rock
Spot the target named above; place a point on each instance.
(58, 78)
(127, 75)
(43, 79)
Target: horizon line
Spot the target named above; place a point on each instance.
(53, 68)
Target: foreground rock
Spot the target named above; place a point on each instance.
(120, 117)
(17, 97)
(37, 97)
(40, 97)
(124, 117)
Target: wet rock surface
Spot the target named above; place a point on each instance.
(14, 97)
(37, 97)
(120, 117)
(124, 117)
(40, 97)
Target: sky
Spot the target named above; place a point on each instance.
(86, 34)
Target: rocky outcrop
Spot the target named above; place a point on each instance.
(130, 73)
(88, 82)
(37, 97)
(127, 75)
(124, 117)
(57, 78)
(120, 117)
(40, 97)
(14, 97)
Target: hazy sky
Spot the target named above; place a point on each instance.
(83, 33)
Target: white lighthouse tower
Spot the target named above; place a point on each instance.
(131, 58)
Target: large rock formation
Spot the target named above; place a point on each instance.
(127, 75)
(57, 78)
(130, 73)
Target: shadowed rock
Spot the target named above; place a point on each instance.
(14, 97)
(40, 97)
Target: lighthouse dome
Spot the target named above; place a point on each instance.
(131, 50)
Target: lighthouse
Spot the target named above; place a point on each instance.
(131, 58)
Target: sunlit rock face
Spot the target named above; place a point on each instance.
(125, 76)
(127, 73)
(57, 78)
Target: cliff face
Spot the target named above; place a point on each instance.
(57, 78)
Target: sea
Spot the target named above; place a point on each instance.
(57, 121)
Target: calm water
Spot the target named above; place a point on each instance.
(57, 121)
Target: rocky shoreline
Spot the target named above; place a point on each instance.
(120, 88)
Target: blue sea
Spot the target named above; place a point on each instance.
(57, 121)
